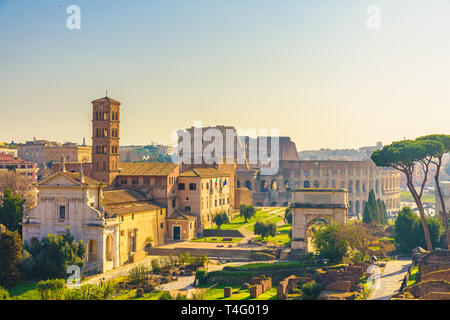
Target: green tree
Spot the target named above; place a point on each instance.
(247, 211)
(11, 212)
(55, 253)
(265, 229)
(220, 219)
(408, 232)
(288, 215)
(437, 161)
(10, 256)
(329, 243)
(405, 156)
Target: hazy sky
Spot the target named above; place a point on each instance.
(311, 69)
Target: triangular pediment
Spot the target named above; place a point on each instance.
(60, 179)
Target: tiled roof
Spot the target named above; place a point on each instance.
(181, 215)
(205, 173)
(88, 181)
(107, 100)
(147, 168)
(131, 208)
(114, 197)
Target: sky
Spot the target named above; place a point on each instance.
(311, 69)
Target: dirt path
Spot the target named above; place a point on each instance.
(390, 280)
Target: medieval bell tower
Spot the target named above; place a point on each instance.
(105, 139)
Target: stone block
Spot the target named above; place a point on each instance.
(344, 286)
(227, 292)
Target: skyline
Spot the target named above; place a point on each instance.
(313, 71)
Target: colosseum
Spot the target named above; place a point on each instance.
(359, 177)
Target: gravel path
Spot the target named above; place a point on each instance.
(390, 280)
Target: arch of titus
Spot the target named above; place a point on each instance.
(310, 205)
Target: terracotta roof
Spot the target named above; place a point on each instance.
(205, 173)
(131, 208)
(108, 100)
(115, 197)
(147, 168)
(181, 215)
(88, 181)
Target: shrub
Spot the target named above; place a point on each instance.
(26, 265)
(220, 219)
(139, 274)
(52, 289)
(4, 295)
(201, 275)
(103, 291)
(265, 229)
(311, 290)
(156, 268)
(329, 243)
(165, 295)
(55, 253)
(10, 256)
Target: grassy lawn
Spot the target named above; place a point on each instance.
(239, 222)
(25, 291)
(412, 277)
(217, 239)
(281, 239)
(217, 294)
(406, 196)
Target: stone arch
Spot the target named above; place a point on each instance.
(306, 184)
(109, 246)
(285, 204)
(248, 185)
(238, 184)
(92, 251)
(274, 185)
(309, 231)
(259, 204)
(274, 204)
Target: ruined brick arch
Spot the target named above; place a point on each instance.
(263, 186)
(350, 186)
(274, 185)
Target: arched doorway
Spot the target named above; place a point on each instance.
(248, 185)
(34, 242)
(306, 184)
(274, 204)
(92, 251)
(109, 246)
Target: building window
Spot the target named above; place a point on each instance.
(181, 186)
(62, 212)
(174, 203)
(187, 208)
(146, 180)
(192, 186)
(135, 181)
(162, 225)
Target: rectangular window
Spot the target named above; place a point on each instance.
(192, 186)
(146, 180)
(181, 186)
(174, 203)
(135, 181)
(62, 212)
